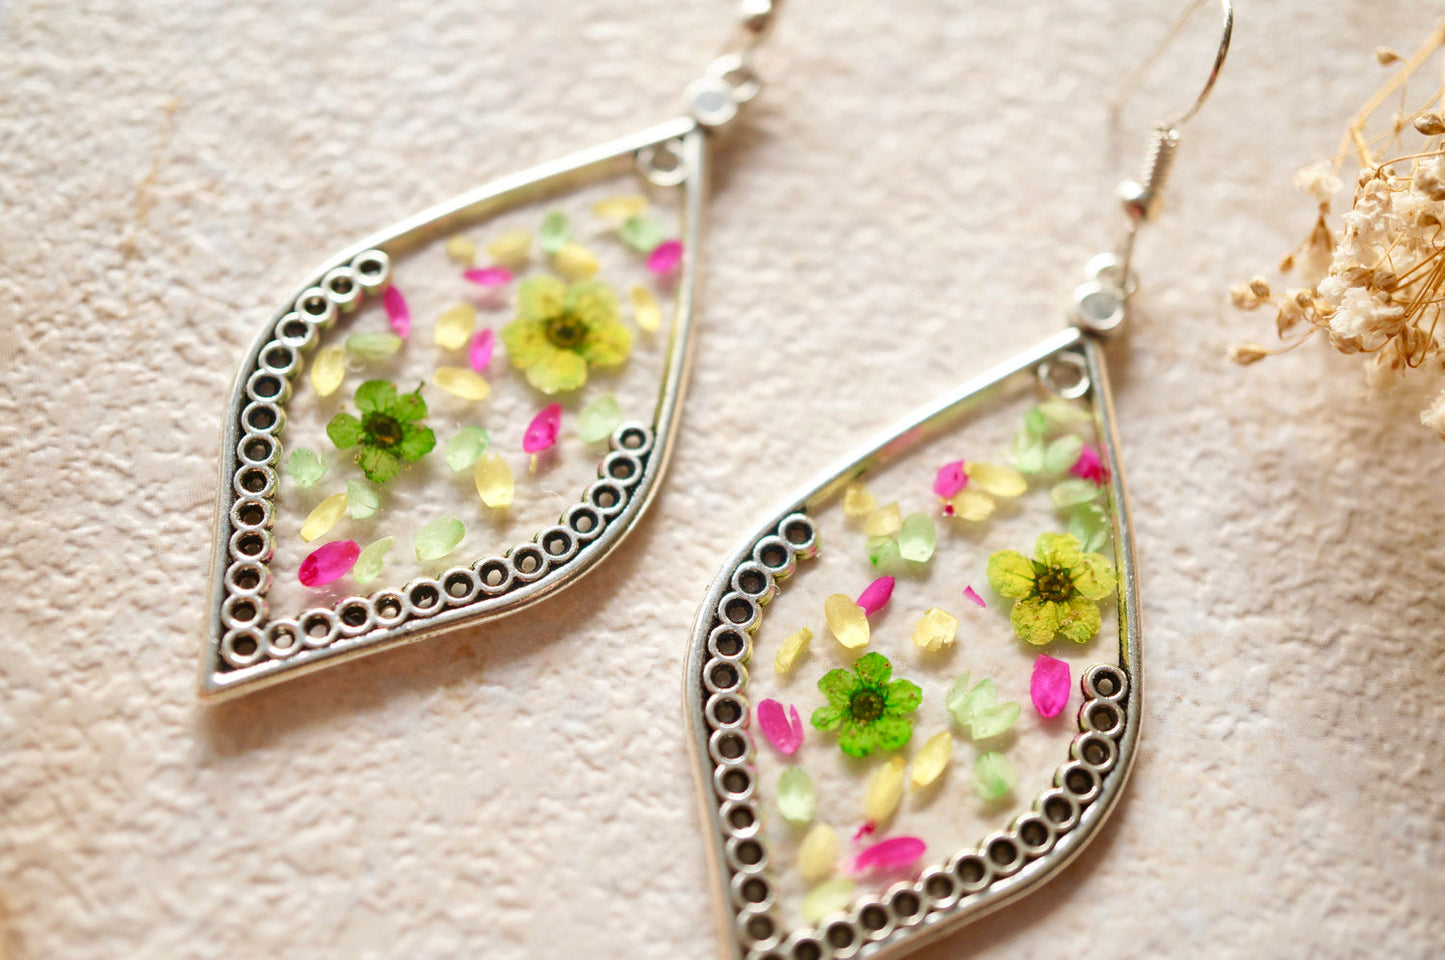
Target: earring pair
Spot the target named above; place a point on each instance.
(359, 512)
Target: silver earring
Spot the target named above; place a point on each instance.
(889, 811)
(357, 513)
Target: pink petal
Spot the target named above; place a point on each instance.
(1090, 466)
(397, 311)
(542, 431)
(489, 276)
(950, 480)
(876, 595)
(868, 828)
(480, 352)
(783, 732)
(891, 854)
(1049, 686)
(972, 594)
(665, 257)
(329, 562)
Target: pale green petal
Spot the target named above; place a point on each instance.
(438, 538)
(372, 346)
(555, 231)
(362, 499)
(1010, 574)
(1035, 621)
(642, 233)
(1074, 491)
(558, 373)
(597, 420)
(369, 563)
(994, 775)
(1035, 422)
(305, 467)
(1080, 620)
(957, 695)
(540, 297)
(797, 797)
(1090, 524)
(994, 721)
(466, 448)
(1062, 413)
(1063, 453)
(1027, 452)
(827, 898)
(883, 552)
(917, 538)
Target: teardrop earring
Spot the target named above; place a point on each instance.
(358, 510)
(815, 850)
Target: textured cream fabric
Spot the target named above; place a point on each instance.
(912, 198)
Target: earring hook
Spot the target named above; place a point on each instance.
(1225, 36)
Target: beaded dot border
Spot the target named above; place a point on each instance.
(940, 889)
(249, 637)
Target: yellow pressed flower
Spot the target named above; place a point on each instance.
(1056, 592)
(324, 517)
(561, 330)
(792, 650)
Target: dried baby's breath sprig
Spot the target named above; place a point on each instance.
(1374, 286)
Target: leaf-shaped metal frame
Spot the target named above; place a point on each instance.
(1004, 865)
(246, 649)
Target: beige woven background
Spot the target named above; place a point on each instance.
(912, 198)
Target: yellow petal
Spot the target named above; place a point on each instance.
(847, 621)
(857, 501)
(328, 370)
(494, 480)
(818, 853)
(461, 382)
(997, 480)
(575, 262)
(884, 791)
(462, 251)
(883, 522)
(512, 249)
(972, 505)
(620, 208)
(936, 630)
(645, 310)
(455, 325)
(792, 650)
(324, 517)
(932, 759)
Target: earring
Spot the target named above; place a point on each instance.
(353, 476)
(912, 793)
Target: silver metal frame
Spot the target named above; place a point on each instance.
(645, 447)
(953, 893)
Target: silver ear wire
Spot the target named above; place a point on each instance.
(1099, 303)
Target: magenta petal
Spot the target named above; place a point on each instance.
(665, 257)
(397, 311)
(950, 480)
(542, 431)
(876, 595)
(972, 594)
(489, 276)
(891, 854)
(480, 352)
(783, 731)
(1090, 466)
(1049, 686)
(329, 562)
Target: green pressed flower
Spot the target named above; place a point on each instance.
(868, 711)
(389, 432)
(1057, 592)
(562, 330)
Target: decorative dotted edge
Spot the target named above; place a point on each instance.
(248, 636)
(941, 889)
